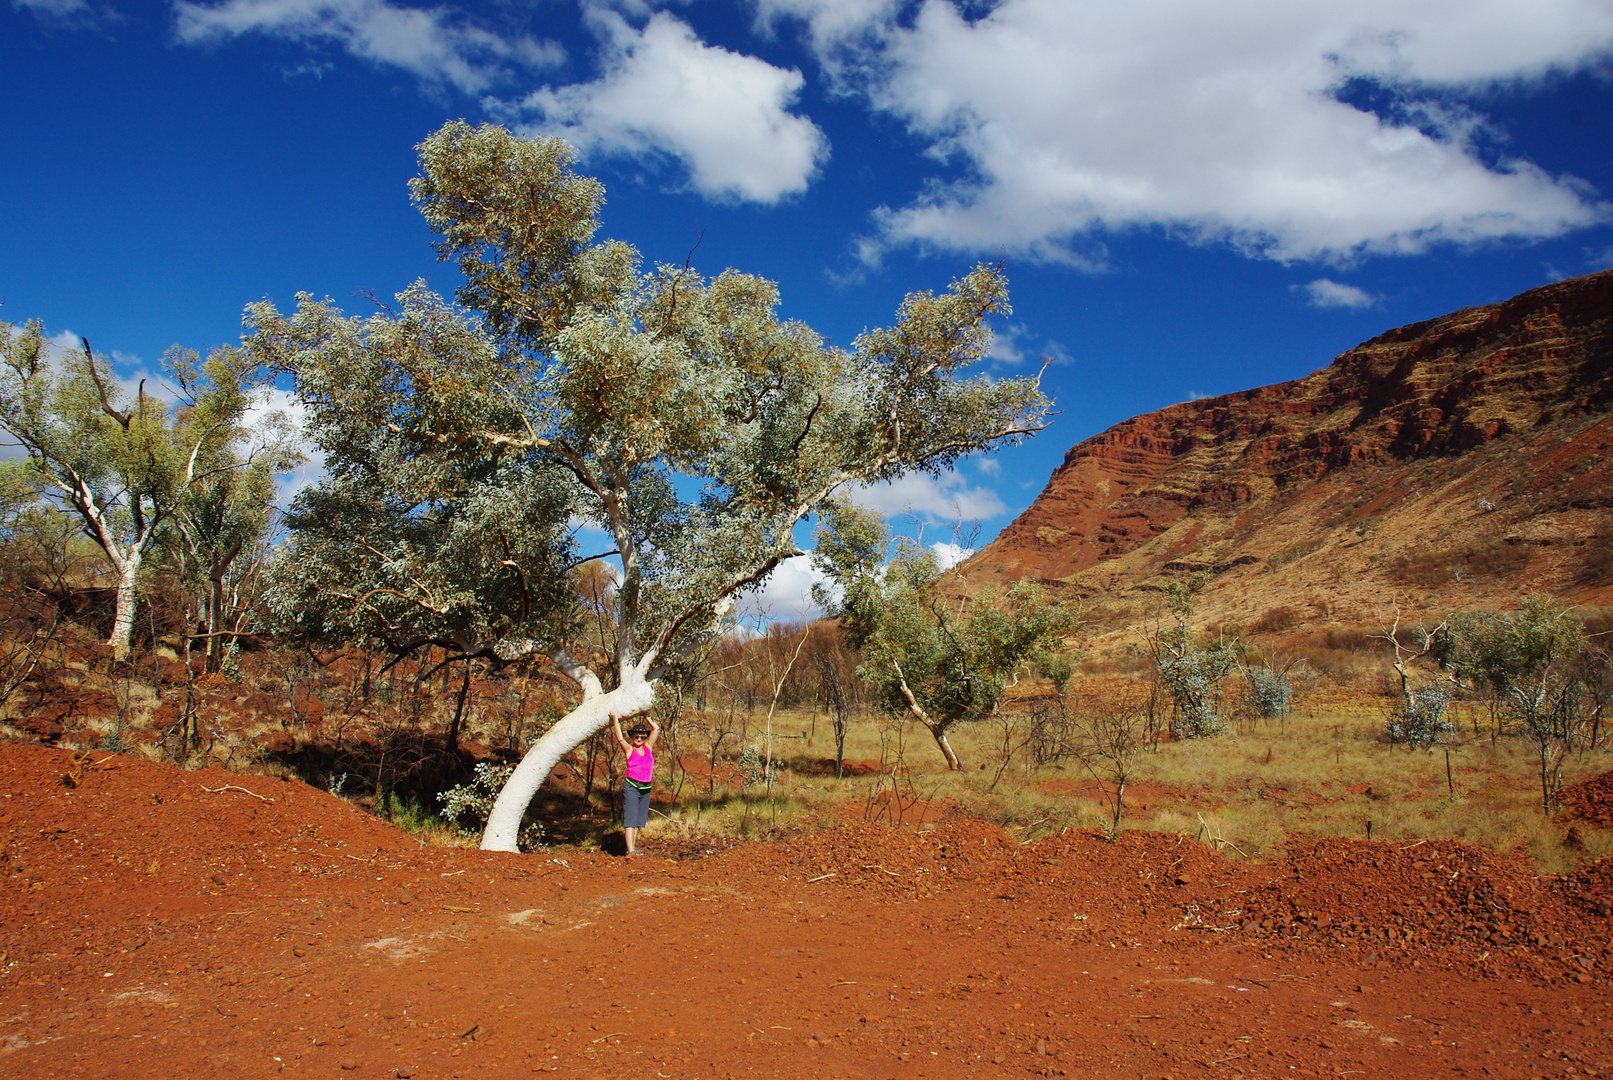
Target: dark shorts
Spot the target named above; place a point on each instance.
(635, 807)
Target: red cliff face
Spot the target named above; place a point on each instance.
(1489, 424)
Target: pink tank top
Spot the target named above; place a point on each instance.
(641, 765)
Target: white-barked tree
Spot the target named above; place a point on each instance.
(570, 386)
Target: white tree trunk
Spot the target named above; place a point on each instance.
(504, 821)
(123, 621)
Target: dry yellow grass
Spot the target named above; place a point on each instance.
(1324, 770)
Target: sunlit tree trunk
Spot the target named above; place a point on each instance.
(634, 695)
(946, 747)
(123, 621)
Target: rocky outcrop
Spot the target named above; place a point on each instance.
(1491, 424)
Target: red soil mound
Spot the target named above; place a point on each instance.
(156, 922)
(1591, 800)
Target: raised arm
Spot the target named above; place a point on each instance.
(616, 729)
(655, 733)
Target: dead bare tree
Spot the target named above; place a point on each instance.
(1115, 730)
(839, 709)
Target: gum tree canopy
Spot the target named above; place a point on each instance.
(127, 469)
(677, 413)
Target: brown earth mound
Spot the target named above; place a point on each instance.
(159, 922)
(1591, 801)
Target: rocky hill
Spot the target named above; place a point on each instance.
(1461, 461)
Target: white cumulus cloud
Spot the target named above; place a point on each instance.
(785, 594)
(830, 24)
(1220, 122)
(431, 43)
(949, 555)
(1326, 293)
(947, 498)
(723, 115)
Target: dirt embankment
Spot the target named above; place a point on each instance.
(154, 921)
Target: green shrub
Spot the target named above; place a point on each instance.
(1419, 717)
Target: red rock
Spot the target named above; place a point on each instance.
(278, 742)
(1393, 436)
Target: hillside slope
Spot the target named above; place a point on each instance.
(1459, 461)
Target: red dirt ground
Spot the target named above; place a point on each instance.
(155, 922)
(1592, 800)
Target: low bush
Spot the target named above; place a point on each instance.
(1275, 620)
(1483, 559)
(1419, 716)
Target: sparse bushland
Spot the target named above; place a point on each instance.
(373, 729)
(1325, 769)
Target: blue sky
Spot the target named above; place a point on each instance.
(1192, 197)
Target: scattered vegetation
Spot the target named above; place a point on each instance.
(1191, 670)
(1488, 559)
(432, 620)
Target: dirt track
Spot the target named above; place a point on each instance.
(150, 926)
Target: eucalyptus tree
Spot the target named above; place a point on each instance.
(1191, 671)
(676, 413)
(942, 659)
(1532, 660)
(227, 514)
(121, 467)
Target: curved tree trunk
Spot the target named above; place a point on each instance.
(504, 821)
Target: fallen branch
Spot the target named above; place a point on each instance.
(232, 787)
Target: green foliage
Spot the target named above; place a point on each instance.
(21, 486)
(1191, 672)
(850, 548)
(464, 448)
(1515, 654)
(755, 768)
(124, 468)
(1528, 659)
(1419, 717)
(467, 804)
(1271, 691)
(944, 661)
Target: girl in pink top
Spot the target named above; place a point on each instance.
(639, 745)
